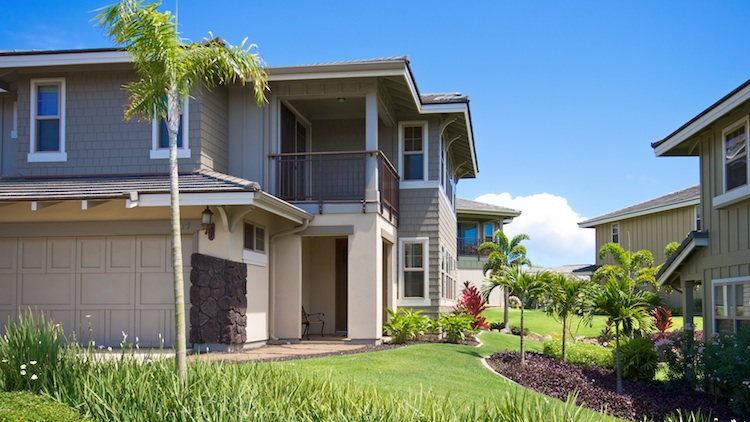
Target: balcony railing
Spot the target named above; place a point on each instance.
(470, 247)
(340, 177)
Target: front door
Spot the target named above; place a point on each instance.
(342, 267)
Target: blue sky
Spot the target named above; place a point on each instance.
(565, 96)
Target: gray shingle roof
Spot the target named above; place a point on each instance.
(113, 187)
(671, 199)
(474, 207)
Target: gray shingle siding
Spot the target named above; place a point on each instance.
(212, 109)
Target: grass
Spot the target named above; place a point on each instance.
(27, 406)
(538, 322)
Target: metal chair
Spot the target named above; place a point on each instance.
(309, 319)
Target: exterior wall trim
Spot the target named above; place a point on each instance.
(593, 223)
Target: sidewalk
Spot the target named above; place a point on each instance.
(278, 352)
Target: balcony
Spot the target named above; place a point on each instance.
(337, 177)
(470, 247)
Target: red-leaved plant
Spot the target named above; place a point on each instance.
(663, 317)
(472, 303)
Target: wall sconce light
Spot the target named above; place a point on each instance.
(341, 99)
(207, 222)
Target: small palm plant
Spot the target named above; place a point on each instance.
(566, 297)
(502, 253)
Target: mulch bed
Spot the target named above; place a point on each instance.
(596, 388)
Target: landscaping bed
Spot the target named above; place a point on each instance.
(596, 388)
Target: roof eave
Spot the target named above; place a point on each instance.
(693, 240)
(588, 224)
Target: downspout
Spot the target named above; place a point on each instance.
(272, 276)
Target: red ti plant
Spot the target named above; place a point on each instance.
(473, 304)
(663, 317)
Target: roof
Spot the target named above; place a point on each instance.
(114, 187)
(681, 198)
(444, 98)
(666, 145)
(466, 206)
(694, 239)
(586, 269)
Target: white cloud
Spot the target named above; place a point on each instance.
(552, 226)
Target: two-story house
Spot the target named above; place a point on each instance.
(649, 225)
(716, 257)
(477, 223)
(338, 195)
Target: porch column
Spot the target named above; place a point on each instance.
(371, 143)
(365, 272)
(287, 289)
(688, 307)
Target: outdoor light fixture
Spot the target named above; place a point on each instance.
(207, 222)
(341, 99)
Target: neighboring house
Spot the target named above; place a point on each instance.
(649, 225)
(718, 256)
(338, 195)
(477, 222)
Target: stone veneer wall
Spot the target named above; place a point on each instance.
(218, 296)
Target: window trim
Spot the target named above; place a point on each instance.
(414, 301)
(732, 281)
(742, 192)
(425, 151)
(255, 256)
(698, 212)
(158, 153)
(35, 156)
(612, 233)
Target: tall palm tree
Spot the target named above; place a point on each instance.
(525, 285)
(502, 253)
(568, 296)
(169, 69)
(627, 308)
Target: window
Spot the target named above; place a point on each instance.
(47, 132)
(160, 136)
(735, 156)
(413, 137)
(698, 218)
(489, 232)
(255, 238)
(616, 233)
(414, 269)
(447, 274)
(731, 304)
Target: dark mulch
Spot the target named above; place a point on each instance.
(596, 388)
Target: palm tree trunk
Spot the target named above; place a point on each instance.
(173, 121)
(563, 338)
(618, 364)
(505, 308)
(523, 355)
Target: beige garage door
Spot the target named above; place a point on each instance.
(97, 287)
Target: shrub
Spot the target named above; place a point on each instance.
(663, 318)
(725, 364)
(678, 349)
(516, 330)
(405, 325)
(29, 352)
(473, 304)
(580, 353)
(497, 325)
(639, 360)
(456, 326)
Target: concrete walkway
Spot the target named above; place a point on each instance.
(278, 352)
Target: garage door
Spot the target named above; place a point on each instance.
(97, 287)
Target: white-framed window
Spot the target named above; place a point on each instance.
(413, 143)
(730, 304)
(447, 274)
(698, 218)
(254, 244)
(414, 274)
(160, 135)
(47, 132)
(734, 145)
(616, 233)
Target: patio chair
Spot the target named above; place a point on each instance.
(309, 319)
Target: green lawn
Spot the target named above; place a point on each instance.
(538, 322)
(448, 370)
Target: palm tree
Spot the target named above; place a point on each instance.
(638, 266)
(169, 69)
(627, 309)
(568, 296)
(502, 253)
(525, 285)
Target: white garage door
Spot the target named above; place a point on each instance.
(112, 284)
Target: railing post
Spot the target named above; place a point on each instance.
(371, 144)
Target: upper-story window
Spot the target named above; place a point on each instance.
(735, 155)
(413, 148)
(698, 219)
(616, 233)
(489, 232)
(160, 135)
(47, 132)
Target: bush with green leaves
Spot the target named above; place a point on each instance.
(581, 353)
(724, 362)
(516, 330)
(639, 359)
(497, 325)
(678, 349)
(405, 325)
(456, 326)
(30, 352)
